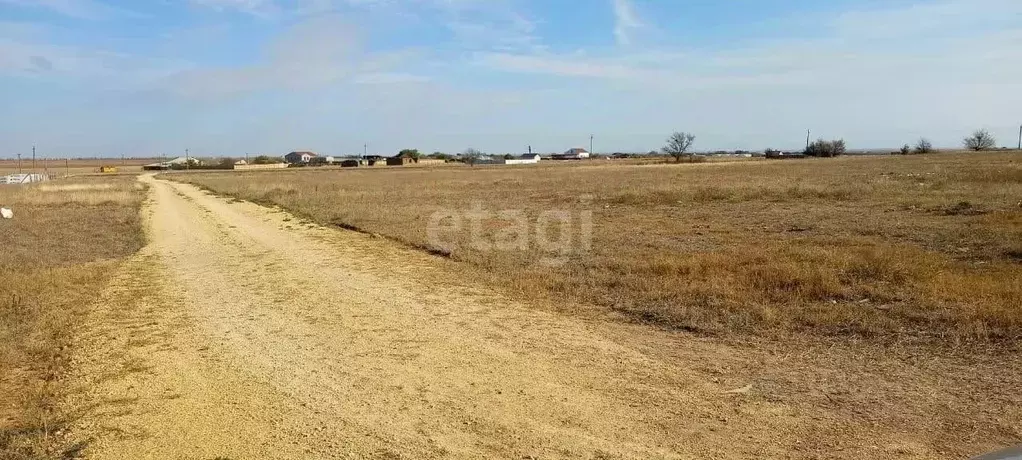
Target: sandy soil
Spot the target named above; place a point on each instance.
(242, 332)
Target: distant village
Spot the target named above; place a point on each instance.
(298, 159)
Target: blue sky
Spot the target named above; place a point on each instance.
(226, 77)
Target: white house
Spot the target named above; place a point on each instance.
(498, 160)
(523, 160)
(299, 157)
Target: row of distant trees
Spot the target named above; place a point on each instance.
(680, 143)
(469, 156)
(978, 141)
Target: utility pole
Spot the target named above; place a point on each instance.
(591, 144)
(122, 160)
(33, 161)
(365, 151)
(530, 150)
(19, 163)
(808, 132)
(187, 160)
(67, 167)
(1020, 137)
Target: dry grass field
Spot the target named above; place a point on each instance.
(57, 252)
(60, 167)
(806, 272)
(924, 249)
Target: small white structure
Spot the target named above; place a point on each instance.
(523, 160)
(23, 178)
(6, 213)
(520, 160)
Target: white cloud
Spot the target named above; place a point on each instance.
(312, 54)
(482, 25)
(472, 24)
(883, 78)
(23, 58)
(850, 53)
(81, 9)
(22, 30)
(504, 35)
(26, 52)
(941, 17)
(381, 78)
(625, 21)
(19, 58)
(262, 8)
(563, 66)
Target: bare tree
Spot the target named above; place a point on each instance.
(678, 145)
(924, 146)
(980, 140)
(470, 156)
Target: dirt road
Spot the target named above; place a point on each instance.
(242, 332)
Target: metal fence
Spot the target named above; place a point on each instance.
(23, 178)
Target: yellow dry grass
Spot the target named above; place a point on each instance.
(57, 252)
(920, 248)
